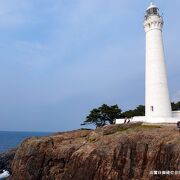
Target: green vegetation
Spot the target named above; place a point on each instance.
(175, 106)
(118, 129)
(138, 111)
(84, 129)
(124, 127)
(150, 126)
(107, 114)
(103, 115)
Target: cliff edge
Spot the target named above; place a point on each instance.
(114, 152)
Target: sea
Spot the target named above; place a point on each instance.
(10, 139)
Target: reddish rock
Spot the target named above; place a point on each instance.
(113, 152)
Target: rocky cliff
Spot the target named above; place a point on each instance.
(115, 152)
(6, 160)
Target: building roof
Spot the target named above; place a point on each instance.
(151, 6)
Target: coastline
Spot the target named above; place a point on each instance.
(11, 139)
(123, 151)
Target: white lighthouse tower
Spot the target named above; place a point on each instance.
(157, 101)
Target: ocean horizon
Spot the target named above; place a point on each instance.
(11, 139)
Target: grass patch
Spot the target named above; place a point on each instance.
(84, 129)
(119, 129)
(149, 126)
(124, 127)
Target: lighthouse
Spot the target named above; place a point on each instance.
(157, 100)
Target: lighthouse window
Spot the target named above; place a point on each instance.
(155, 11)
(152, 11)
(152, 108)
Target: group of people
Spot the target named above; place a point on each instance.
(126, 120)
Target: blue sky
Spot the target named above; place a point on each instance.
(61, 58)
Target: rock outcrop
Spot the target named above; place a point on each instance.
(115, 152)
(6, 160)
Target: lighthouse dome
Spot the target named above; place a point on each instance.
(151, 6)
(152, 10)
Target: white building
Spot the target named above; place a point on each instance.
(157, 100)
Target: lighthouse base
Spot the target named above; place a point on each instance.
(161, 120)
(151, 120)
